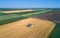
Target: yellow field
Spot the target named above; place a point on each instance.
(18, 29)
(17, 11)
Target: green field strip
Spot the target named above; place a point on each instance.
(12, 18)
(3, 17)
(56, 32)
(36, 13)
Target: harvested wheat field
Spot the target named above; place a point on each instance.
(17, 11)
(18, 29)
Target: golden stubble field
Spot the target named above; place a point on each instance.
(18, 29)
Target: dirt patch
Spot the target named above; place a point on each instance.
(53, 16)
